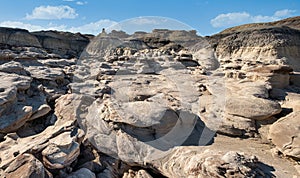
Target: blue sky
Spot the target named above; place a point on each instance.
(90, 16)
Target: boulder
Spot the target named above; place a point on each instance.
(49, 138)
(284, 133)
(13, 114)
(62, 150)
(231, 106)
(82, 173)
(252, 107)
(26, 165)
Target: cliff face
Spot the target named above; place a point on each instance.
(260, 42)
(62, 42)
(65, 44)
(17, 37)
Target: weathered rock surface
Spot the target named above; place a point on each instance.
(18, 37)
(62, 43)
(285, 135)
(18, 41)
(165, 103)
(260, 42)
(62, 150)
(209, 163)
(235, 105)
(26, 165)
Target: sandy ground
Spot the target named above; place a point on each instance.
(276, 165)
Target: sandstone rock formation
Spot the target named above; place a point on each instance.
(260, 42)
(160, 104)
(59, 44)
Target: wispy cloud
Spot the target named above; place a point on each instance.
(284, 13)
(81, 3)
(31, 27)
(238, 18)
(229, 19)
(90, 28)
(68, 0)
(52, 12)
(93, 27)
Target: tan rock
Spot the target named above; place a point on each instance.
(41, 111)
(201, 162)
(62, 150)
(36, 143)
(252, 107)
(137, 174)
(15, 120)
(285, 135)
(26, 165)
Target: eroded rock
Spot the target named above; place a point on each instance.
(285, 135)
(193, 162)
(26, 165)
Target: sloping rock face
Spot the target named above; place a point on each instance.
(18, 37)
(292, 22)
(260, 43)
(60, 44)
(159, 104)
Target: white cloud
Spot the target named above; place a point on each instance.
(81, 3)
(238, 18)
(284, 13)
(52, 12)
(31, 27)
(91, 28)
(230, 19)
(260, 18)
(68, 0)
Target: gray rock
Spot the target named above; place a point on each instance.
(18, 37)
(82, 173)
(62, 43)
